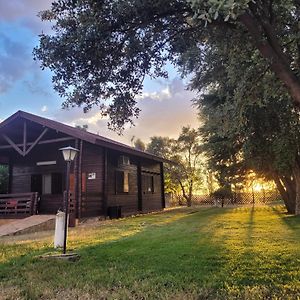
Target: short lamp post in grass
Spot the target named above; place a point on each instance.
(69, 153)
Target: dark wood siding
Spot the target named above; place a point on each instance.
(23, 168)
(128, 201)
(151, 201)
(92, 189)
(92, 201)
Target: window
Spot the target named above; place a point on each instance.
(148, 183)
(4, 178)
(122, 182)
(46, 184)
(57, 183)
(36, 183)
(123, 160)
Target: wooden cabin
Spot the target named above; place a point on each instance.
(105, 174)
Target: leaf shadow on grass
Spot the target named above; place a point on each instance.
(203, 255)
(292, 221)
(169, 257)
(263, 262)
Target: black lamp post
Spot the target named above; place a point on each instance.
(69, 154)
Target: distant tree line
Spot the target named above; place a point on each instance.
(184, 172)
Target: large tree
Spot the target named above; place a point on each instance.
(100, 51)
(267, 142)
(249, 125)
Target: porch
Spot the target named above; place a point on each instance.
(35, 168)
(22, 205)
(19, 205)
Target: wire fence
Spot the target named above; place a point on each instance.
(238, 198)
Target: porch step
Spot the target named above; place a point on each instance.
(28, 225)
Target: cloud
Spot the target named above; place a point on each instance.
(35, 85)
(163, 113)
(25, 12)
(44, 108)
(167, 116)
(165, 105)
(14, 62)
(159, 95)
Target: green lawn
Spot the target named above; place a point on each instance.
(205, 253)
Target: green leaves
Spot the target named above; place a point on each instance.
(213, 9)
(101, 51)
(186, 170)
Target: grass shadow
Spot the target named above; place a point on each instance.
(163, 255)
(292, 221)
(208, 253)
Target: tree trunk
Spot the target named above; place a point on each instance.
(183, 192)
(268, 45)
(189, 197)
(287, 194)
(296, 172)
(189, 201)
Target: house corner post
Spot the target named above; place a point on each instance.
(76, 180)
(162, 178)
(139, 184)
(105, 175)
(79, 203)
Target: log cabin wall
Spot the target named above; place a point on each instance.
(24, 170)
(151, 186)
(127, 200)
(92, 180)
(97, 180)
(151, 196)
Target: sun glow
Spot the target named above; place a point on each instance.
(257, 187)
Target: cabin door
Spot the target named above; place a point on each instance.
(50, 189)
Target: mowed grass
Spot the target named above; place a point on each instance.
(196, 253)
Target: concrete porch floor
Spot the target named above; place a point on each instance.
(6, 221)
(27, 225)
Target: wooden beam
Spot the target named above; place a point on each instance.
(37, 140)
(56, 140)
(162, 178)
(41, 142)
(24, 137)
(13, 145)
(10, 176)
(80, 179)
(139, 183)
(76, 180)
(105, 175)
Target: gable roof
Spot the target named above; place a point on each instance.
(80, 134)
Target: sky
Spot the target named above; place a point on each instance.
(165, 103)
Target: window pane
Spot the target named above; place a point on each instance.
(122, 182)
(147, 184)
(37, 183)
(47, 184)
(126, 182)
(57, 183)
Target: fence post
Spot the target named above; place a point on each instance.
(264, 193)
(34, 200)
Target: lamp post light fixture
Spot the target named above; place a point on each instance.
(69, 154)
